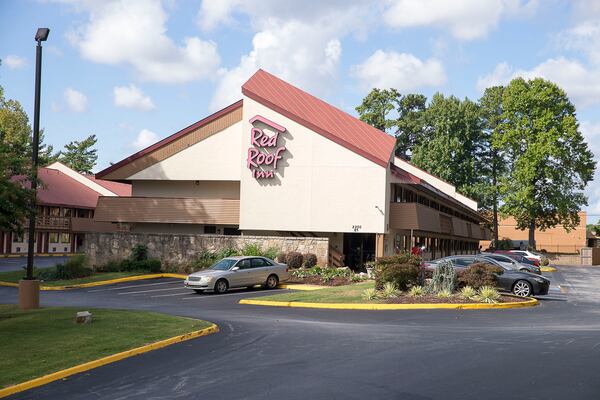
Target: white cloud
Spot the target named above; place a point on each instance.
(465, 19)
(591, 132)
(584, 38)
(132, 97)
(401, 71)
(582, 84)
(76, 101)
(297, 43)
(144, 139)
(14, 62)
(134, 33)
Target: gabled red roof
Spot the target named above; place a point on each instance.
(320, 117)
(118, 188)
(59, 189)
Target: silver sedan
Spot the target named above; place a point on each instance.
(242, 271)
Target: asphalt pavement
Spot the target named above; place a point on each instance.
(18, 263)
(547, 352)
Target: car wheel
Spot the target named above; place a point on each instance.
(522, 288)
(272, 282)
(524, 270)
(199, 291)
(221, 286)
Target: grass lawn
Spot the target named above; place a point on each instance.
(16, 276)
(334, 294)
(38, 342)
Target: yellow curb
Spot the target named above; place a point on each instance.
(547, 269)
(300, 286)
(101, 283)
(104, 360)
(361, 306)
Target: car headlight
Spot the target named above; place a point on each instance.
(206, 278)
(539, 280)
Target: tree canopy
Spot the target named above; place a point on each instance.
(80, 155)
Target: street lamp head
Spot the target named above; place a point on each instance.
(42, 34)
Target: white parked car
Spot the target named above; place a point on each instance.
(527, 254)
(242, 271)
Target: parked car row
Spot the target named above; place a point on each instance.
(515, 277)
(240, 271)
(523, 256)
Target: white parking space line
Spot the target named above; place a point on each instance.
(216, 296)
(134, 286)
(150, 291)
(173, 294)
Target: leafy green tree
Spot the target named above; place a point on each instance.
(15, 198)
(550, 162)
(80, 155)
(449, 149)
(401, 116)
(491, 159)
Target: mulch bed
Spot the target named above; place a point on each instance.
(316, 280)
(429, 298)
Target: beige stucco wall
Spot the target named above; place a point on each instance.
(179, 189)
(319, 186)
(215, 158)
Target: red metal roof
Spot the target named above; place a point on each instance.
(118, 188)
(59, 189)
(320, 117)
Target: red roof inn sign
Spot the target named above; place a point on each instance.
(264, 153)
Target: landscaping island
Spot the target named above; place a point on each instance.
(38, 342)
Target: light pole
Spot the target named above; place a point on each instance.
(29, 288)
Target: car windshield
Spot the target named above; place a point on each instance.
(223, 265)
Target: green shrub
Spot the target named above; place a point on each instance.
(74, 267)
(479, 274)
(226, 252)
(151, 265)
(416, 291)
(112, 266)
(203, 260)
(443, 278)
(271, 253)
(402, 270)
(444, 294)
(139, 252)
(294, 259)
(310, 260)
(389, 290)
(281, 258)
(370, 294)
(504, 244)
(468, 292)
(252, 249)
(488, 294)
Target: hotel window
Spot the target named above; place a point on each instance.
(55, 211)
(53, 237)
(65, 238)
(65, 212)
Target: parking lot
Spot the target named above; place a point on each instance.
(547, 352)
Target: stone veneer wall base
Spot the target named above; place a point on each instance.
(176, 249)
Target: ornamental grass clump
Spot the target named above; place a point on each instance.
(443, 279)
(416, 291)
(370, 294)
(389, 290)
(488, 294)
(444, 294)
(468, 292)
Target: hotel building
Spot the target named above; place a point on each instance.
(280, 162)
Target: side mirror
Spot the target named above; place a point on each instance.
(235, 268)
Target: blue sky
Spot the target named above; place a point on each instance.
(132, 72)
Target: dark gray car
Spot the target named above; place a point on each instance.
(518, 282)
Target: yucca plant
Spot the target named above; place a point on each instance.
(416, 291)
(369, 294)
(389, 290)
(443, 279)
(468, 292)
(488, 294)
(444, 294)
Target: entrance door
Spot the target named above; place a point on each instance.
(358, 249)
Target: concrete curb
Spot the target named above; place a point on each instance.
(104, 360)
(101, 283)
(300, 286)
(417, 306)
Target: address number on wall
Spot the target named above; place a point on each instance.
(356, 228)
